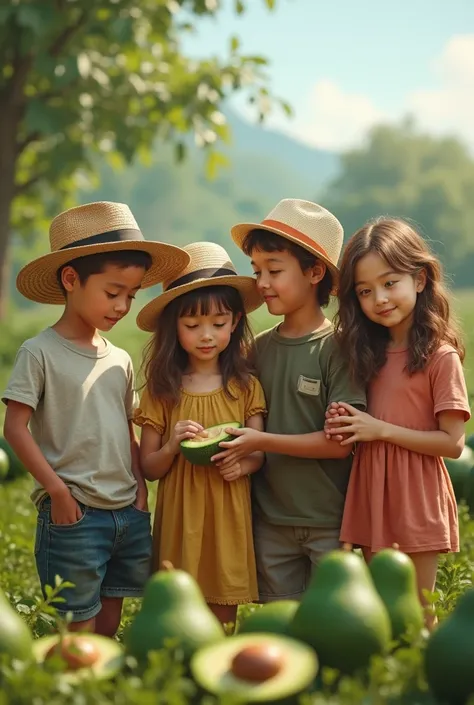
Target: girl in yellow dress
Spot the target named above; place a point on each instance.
(197, 375)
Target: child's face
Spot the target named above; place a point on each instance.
(204, 337)
(386, 297)
(104, 298)
(283, 284)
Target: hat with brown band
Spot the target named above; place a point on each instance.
(88, 230)
(307, 224)
(210, 265)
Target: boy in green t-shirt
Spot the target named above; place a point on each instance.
(299, 494)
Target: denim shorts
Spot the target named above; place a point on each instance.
(106, 553)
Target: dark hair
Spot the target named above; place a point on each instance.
(164, 360)
(95, 264)
(266, 241)
(363, 342)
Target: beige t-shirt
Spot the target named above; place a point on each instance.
(82, 401)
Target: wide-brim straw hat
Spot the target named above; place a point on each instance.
(307, 224)
(87, 230)
(210, 265)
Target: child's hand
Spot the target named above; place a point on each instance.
(246, 444)
(334, 409)
(141, 500)
(230, 471)
(358, 425)
(65, 509)
(184, 430)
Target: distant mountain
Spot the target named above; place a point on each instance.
(315, 167)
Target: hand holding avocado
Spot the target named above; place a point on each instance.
(246, 443)
(183, 431)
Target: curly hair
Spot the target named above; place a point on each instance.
(165, 361)
(363, 342)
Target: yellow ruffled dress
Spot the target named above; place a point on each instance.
(203, 524)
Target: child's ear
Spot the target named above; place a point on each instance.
(420, 280)
(69, 277)
(237, 318)
(318, 272)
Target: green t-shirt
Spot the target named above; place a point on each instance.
(300, 377)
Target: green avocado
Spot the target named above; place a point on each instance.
(16, 468)
(449, 655)
(83, 655)
(341, 614)
(273, 618)
(199, 451)
(15, 638)
(255, 668)
(4, 465)
(459, 470)
(394, 578)
(173, 610)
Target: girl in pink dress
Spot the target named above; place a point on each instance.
(395, 328)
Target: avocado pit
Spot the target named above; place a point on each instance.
(78, 652)
(257, 663)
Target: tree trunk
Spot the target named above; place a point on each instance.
(8, 142)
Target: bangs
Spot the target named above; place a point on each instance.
(211, 300)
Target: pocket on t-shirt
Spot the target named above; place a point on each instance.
(308, 386)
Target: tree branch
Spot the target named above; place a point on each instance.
(61, 41)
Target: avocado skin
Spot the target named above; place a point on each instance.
(341, 615)
(173, 610)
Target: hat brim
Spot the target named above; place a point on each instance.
(246, 286)
(240, 231)
(38, 282)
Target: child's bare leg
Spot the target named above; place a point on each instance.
(107, 621)
(88, 625)
(426, 566)
(224, 613)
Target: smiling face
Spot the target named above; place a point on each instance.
(385, 296)
(104, 298)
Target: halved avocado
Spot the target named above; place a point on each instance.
(255, 668)
(200, 450)
(274, 618)
(84, 654)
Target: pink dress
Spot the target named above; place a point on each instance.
(394, 494)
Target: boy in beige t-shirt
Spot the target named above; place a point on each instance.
(70, 401)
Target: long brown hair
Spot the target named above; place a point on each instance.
(165, 361)
(363, 342)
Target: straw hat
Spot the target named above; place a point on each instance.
(88, 230)
(311, 226)
(210, 266)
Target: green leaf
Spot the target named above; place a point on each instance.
(234, 44)
(180, 151)
(270, 4)
(214, 162)
(239, 7)
(37, 18)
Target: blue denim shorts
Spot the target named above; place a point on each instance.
(106, 553)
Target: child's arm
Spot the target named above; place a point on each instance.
(446, 442)
(232, 469)
(305, 445)
(141, 500)
(156, 459)
(64, 508)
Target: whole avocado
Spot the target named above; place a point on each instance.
(341, 615)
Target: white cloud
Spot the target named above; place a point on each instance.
(449, 108)
(335, 119)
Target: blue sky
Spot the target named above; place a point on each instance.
(346, 64)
